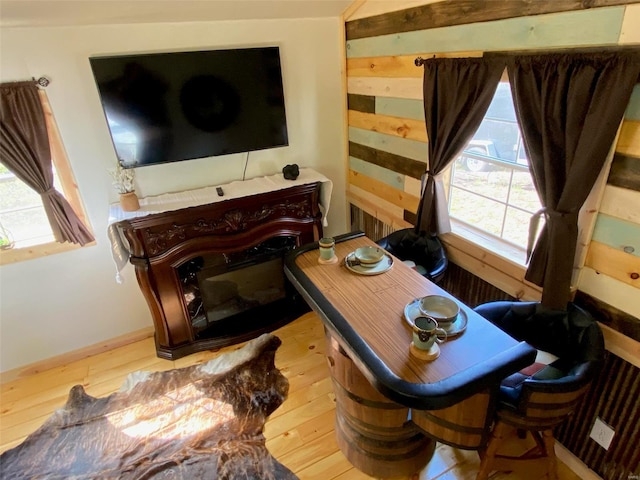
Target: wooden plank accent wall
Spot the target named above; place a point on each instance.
(614, 251)
(387, 133)
(387, 136)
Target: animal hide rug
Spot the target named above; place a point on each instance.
(199, 422)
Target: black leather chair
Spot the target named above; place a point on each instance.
(541, 396)
(426, 251)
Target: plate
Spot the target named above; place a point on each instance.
(459, 325)
(382, 266)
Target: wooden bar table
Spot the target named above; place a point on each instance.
(391, 406)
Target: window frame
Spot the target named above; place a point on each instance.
(512, 250)
(69, 190)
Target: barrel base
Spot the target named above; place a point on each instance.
(463, 425)
(402, 452)
(373, 432)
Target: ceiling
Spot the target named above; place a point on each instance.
(41, 13)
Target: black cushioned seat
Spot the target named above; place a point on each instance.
(426, 251)
(543, 396)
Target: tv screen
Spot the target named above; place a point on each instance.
(167, 107)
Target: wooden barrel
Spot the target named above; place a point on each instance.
(373, 432)
(464, 425)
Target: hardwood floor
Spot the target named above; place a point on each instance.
(300, 434)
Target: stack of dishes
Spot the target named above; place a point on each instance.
(368, 261)
(444, 310)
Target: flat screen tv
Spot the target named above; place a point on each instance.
(167, 107)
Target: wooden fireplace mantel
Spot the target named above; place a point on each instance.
(160, 243)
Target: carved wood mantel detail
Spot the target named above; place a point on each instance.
(162, 242)
(236, 220)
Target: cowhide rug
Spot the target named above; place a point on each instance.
(199, 422)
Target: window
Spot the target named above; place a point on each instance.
(491, 192)
(22, 216)
(23, 222)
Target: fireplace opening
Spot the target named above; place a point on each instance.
(240, 294)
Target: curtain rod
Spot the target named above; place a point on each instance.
(40, 82)
(419, 61)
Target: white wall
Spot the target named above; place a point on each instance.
(49, 306)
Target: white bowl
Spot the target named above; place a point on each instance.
(443, 309)
(369, 256)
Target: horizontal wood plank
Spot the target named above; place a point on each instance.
(361, 103)
(622, 266)
(618, 234)
(382, 190)
(384, 211)
(625, 172)
(583, 28)
(629, 139)
(622, 346)
(413, 186)
(399, 127)
(402, 147)
(609, 315)
(398, 66)
(386, 87)
(396, 163)
(388, 67)
(446, 13)
(401, 107)
(621, 203)
(391, 178)
(609, 290)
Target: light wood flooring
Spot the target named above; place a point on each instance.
(300, 434)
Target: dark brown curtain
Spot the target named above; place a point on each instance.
(569, 107)
(24, 150)
(457, 94)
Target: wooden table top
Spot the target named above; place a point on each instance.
(366, 315)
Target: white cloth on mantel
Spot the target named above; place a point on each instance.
(168, 202)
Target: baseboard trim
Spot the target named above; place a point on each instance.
(75, 355)
(576, 465)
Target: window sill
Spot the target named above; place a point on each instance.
(15, 255)
(498, 263)
(509, 252)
